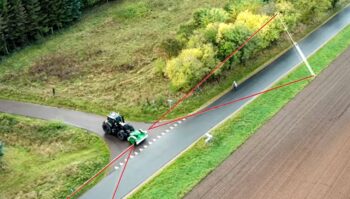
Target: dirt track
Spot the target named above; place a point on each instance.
(303, 152)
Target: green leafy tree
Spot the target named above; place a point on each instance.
(311, 10)
(230, 37)
(190, 66)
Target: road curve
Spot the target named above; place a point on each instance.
(83, 120)
(168, 141)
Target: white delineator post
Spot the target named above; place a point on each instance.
(302, 55)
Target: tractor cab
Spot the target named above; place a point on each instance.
(115, 118)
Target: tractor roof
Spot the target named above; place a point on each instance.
(114, 115)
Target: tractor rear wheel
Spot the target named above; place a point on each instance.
(106, 128)
(122, 135)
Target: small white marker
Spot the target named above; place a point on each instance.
(121, 164)
(131, 156)
(175, 124)
(154, 139)
(171, 127)
(125, 160)
(158, 136)
(116, 168)
(179, 122)
(136, 153)
(150, 142)
(141, 149)
(163, 133)
(167, 130)
(145, 146)
(184, 119)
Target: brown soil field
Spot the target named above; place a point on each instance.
(303, 152)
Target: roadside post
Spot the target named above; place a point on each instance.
(234, 85)
(209, 137)
(170, 102)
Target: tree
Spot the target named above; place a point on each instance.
(230, 37)
(34, 17)
(190, 66)
(312, 9)
(3, 44)
(16, 17)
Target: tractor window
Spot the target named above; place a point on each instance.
(110, 120)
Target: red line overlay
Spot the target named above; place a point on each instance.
(212, 72)
(131, 147)
(121, 175)
(234, 101)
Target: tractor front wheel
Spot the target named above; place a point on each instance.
(106, 128)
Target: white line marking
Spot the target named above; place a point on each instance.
(116, 168)
(131, 156)
(121, 164)
(150, 142)
(154, 139)
(171, 127)
(179, 122)
(141, 149)
(145, 146)
(136, 153)
(167, 130)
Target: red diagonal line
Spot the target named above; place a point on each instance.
(121, 175)
(234, 101)
(99, 172)
(212, 72)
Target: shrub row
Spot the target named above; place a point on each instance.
(214, 33)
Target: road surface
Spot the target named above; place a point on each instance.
(303, 152)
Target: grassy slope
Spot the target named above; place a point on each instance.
(191, 167)
(46, 159)
(105, 62)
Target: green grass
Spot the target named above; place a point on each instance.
(186, 171)
(106, 62)
(46, 159)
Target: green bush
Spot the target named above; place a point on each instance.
(205, 16)
(230, 37)
(190, 66)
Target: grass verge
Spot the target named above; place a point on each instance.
(46, 159)
(192, 166)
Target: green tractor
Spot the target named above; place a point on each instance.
(115, 125)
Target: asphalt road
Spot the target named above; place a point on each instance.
(167, 142)
(303, 152)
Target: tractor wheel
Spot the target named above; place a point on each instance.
(106, 128)
(122, 135)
